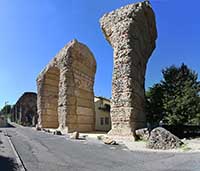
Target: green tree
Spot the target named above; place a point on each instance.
(181, 100)
(176, 98)
(154, 104)
(6, 109)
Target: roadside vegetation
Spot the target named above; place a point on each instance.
(175, 100)
(6, 111)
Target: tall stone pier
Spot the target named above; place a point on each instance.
(131, 31)
(65, 90)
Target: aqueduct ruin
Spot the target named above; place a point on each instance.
(65, 86)
(131, 31)
(25, 110)
(65, 90)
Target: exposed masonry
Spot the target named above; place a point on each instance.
(131, 31)
(25, 110)
(65, 90)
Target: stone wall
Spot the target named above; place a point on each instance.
(65, 90)
(25, 110)
(131, 31)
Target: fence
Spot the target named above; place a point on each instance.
(183, 131)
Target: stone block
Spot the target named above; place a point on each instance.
(84, 119)
(85, 127)
(50, 124)
(85, 111)
(160, 138)
(81, 102)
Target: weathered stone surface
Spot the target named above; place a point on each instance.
(38, 128)
(24, 111)
(131, 31)
(160, 138)
(46, 130)
(109, 141)
(143, 133)
(74, 135)
(57, 132)
(65, 90)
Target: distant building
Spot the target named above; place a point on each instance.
(102, 110)
(24, 111)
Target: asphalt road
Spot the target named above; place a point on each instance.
(8, 160)
(41, 151)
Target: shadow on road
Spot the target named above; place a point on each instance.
(7, 164)
(7, 126)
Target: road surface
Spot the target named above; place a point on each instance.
(40, 151)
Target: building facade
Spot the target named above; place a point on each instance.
(102, 110)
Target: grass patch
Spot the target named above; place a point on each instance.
(185, 147)
(139, 140)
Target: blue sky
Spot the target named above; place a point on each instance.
(32, 32)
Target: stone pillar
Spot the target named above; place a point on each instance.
(131, 31)
(65, 104)
(15, 113)
(20, 113)
(40, 104)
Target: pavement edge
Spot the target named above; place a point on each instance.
(18, 159)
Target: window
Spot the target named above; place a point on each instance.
(101, 121)
(106, 120)
(107, 108)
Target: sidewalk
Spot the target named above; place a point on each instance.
(7, 157)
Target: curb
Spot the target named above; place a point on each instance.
(18, 159)
(15, 124)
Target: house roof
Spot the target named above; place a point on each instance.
(102, 98)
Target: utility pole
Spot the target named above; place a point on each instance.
(6, 107)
